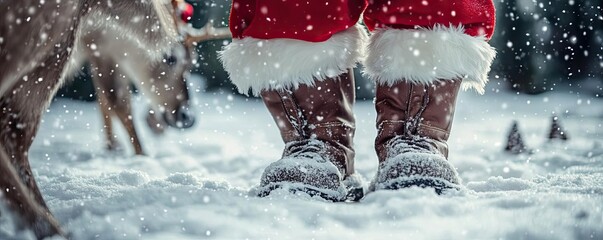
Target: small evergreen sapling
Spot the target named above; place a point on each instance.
(515, 144)
(557, 132)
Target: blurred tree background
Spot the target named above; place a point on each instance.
(542, 46)
(545, 45)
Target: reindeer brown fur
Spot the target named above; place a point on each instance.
(118, 63)
(36, 39)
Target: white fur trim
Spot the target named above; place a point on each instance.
(427, 55)
(259, 64)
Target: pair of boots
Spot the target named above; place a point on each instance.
(309, 90)
(317, 124)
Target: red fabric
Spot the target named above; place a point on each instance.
(310, 20)
(477, 16)
(316, 21)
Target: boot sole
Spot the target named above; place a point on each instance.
(354, 193)
(440, 186)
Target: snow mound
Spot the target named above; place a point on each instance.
(499, 184)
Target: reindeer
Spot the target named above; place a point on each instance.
(162, 82)
(36, 40)
(116, 63)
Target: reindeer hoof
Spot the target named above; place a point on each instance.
(47, 226)
(114, 146)
(140, 153)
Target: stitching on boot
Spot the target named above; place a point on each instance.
(425, 129)
(390, 123)
(332, 124)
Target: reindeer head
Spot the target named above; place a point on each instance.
(172, 98)
(168, 89)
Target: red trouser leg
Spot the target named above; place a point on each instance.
(307, 20)
(423, 41)
(416, 40)
(316, 21)
(476, 16)
(282, 44)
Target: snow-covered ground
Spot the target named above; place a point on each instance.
(196, 184)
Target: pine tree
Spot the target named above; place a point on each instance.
(557, 131)
(515, 144)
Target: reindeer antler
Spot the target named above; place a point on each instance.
(208, 32)
(175, 17)
(192, 35)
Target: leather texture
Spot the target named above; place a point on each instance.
(323, 112)
(411, 110)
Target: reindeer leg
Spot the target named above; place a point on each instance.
(114, 97)
(107, 113)
(21, 200)
(124, 114)
(21, 112)
(103, 83)
(17, 137)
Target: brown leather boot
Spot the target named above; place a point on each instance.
(317, 125)
(413, 123)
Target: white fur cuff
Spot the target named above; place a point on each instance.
(427, 55)
(259, 64)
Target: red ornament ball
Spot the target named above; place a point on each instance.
(186, 12)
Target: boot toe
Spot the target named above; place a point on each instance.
(321, 178)
(417, 169)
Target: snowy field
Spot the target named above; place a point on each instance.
(196, 184)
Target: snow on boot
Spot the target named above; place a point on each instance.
(306, 166)
(413, 122)
(317, 125)
(557, 132)
(515, 144)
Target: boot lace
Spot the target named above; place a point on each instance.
(310, 148)
(411, 141)
(404, 144)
